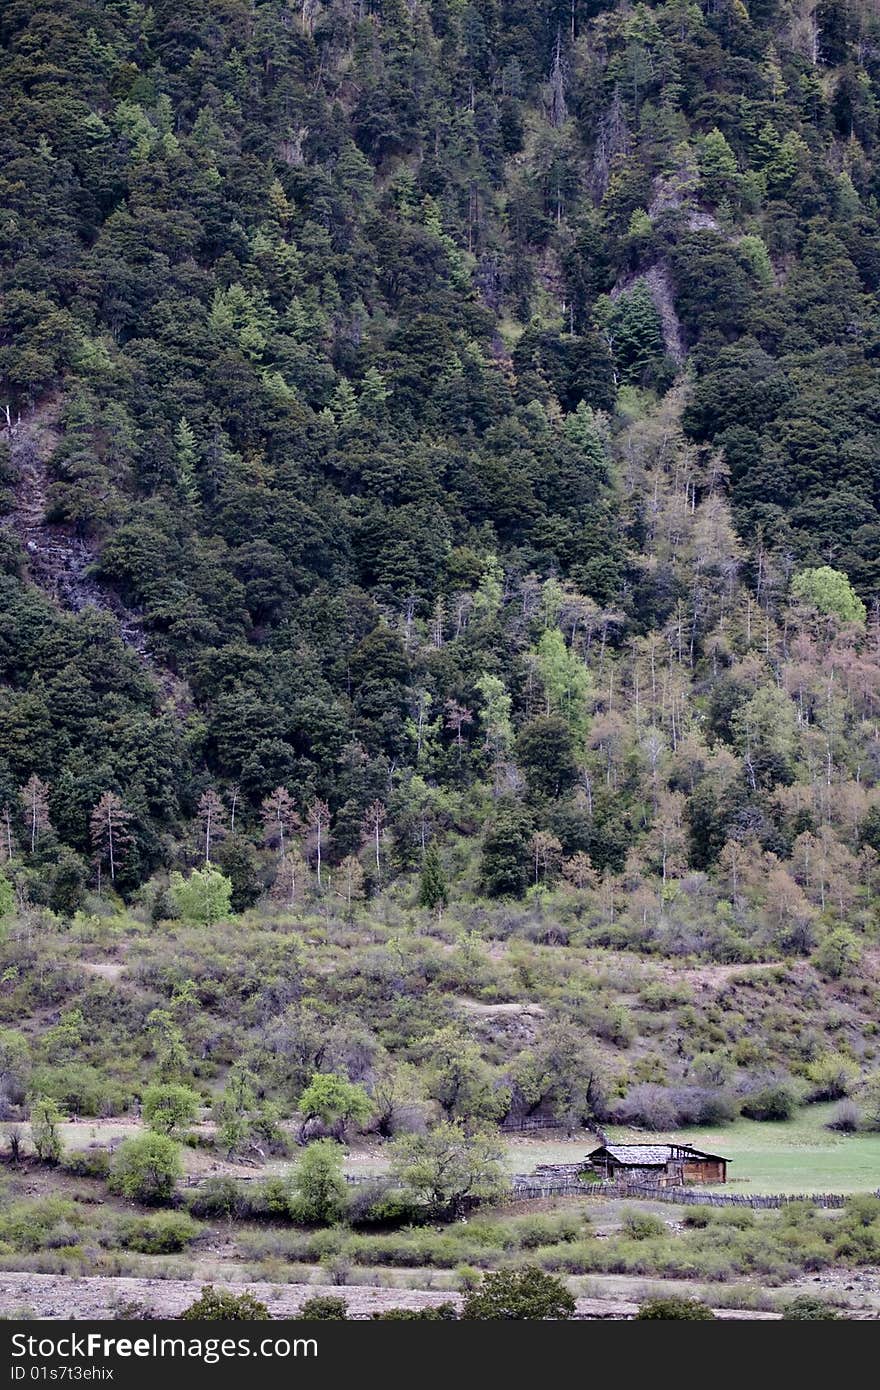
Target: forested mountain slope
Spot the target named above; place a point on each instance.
(459, 400)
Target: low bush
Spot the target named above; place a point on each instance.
(809, 1307)
(81, 1089)
(45, 1224)
(439, 1312)
(650, 1106)
(642, 1225)
(579, 1257)
(673, 1306)
(776, 1102)
(528, 1232)
(218, 1305)
(324, 1308)
(86, 1163)
(519, 1295)
(146, 1168)
(164, 1234)
(846, 1117)
(380, 1204)
(219, 1197)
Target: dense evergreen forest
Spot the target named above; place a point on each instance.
(443, 447)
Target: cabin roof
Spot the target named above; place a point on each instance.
(651, 1155)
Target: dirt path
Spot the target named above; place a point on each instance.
(56, 1296)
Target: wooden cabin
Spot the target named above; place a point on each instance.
(666, 1165)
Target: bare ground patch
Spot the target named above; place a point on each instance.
(75, 1299)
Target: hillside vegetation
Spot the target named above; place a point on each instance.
(439, 613)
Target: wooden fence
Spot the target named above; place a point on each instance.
(531, 1123)
(527, 1189)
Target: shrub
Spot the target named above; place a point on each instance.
(81, 1089)
(170, 1107)
(146, 1168)
(48, 1222)
(862, 1209)
(203, 898)
(335, 1101)
(642, 1225)
(529, 1232)
(832, 1076)
(809, 1307)
(845, 1117)
(273, 1199)
(774, 1102)
(869, 1099)
(320, 1192)
(447, 1166)
(859, 1245)
(839, 953)
(87, 1163)
(379, 1204)
(518, 1295)
(646, 1106)
(45, 1119)
(674, 1306)
(164, 1234)
(324, 1308)
(702, 1105)
(439, 1312)
(220, 1196)
(218, 1305)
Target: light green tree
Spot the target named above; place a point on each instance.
(495, 714)
(839, 953)
(145, 1168)
(7, 897)
(318, 1183)
(187, 454)
(829, 591)
(374, 393)
(169, 1107)
(172, 1057)
(448, 1165)
(243, 1121)
(583, 429)
(45, 1118)
(754, 251)
(203, 898)
(566, 682)
(490, 590)
(344, 403)
(335, 1101)
(718, 166)
(765, 725)
(456, 1076)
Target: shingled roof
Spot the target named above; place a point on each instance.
(650, 1155)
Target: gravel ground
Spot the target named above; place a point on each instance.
(56, 1296)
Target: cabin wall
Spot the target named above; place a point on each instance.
(623, 1173)
(705, 1170)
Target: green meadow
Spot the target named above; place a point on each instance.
(797, 1155)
